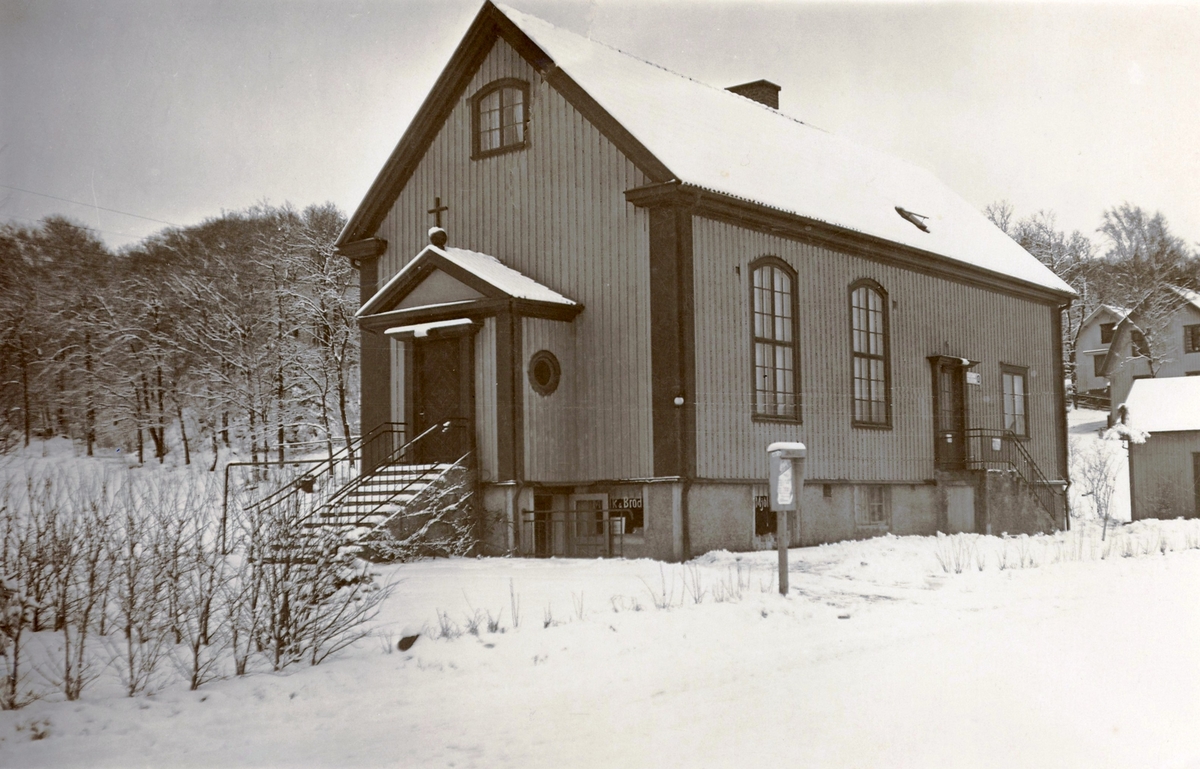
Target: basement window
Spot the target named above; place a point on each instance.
(916, 220)
(872, 505)
(764, 516)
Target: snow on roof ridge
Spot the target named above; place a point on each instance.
(844, 183)
(1186, 294)
(509, 11)
(514, 282)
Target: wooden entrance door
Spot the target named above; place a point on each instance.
(443, 379)
(949, 414)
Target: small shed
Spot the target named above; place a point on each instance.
(1164, 471)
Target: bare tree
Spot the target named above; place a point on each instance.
(201, 623)
(77, 545)
(17, 605)
(1094, 468)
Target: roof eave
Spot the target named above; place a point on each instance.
(743, 212)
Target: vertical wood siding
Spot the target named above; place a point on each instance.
(928, 316)
(552, 439)
(485, 400)
(556, 212)
(1162, 482)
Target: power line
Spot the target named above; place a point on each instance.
(88, 205)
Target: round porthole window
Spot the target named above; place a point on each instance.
(544, 372)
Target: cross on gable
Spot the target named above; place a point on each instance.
(437, 210)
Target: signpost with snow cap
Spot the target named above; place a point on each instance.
(787, 481)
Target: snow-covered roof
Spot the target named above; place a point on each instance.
(1187, 295)
(1164, 405)
(717, 140)
(420, 330)
(1119, 312)
(486, 268)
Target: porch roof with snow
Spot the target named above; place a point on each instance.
(442, 281)
(1165, 405)
(706, 140)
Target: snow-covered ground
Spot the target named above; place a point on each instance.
(882, 655)
(965, 651)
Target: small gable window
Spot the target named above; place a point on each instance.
(773, 318)
(500, 117)
(869, 351)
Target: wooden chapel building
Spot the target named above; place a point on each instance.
(642, 281)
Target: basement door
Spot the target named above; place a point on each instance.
(443, 380)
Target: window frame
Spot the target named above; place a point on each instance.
(550, 359)
(1106, 332)
(1098, 365)
(1008, 369)
(885, 357)
(1139, 345)
(1191, 338)
(476, 128)
(863, 505)
(593, 527)
(771, 261)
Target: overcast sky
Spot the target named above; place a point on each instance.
(176, 111)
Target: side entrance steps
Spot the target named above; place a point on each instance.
(378, 497)
(337, 498)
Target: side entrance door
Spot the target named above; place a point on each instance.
(949, 414)
(443, 382)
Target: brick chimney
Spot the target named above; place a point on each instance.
(761, 91)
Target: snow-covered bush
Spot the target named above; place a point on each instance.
(313, 595)
(121, 574)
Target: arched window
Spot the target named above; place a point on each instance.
(773, 319)
(871, 373)
(499, 117)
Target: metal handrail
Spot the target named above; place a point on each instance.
(1027, 470)
(346, 453)
(605, 539)
(427, 476)
(338, 496)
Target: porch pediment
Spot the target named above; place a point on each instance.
(442, 282)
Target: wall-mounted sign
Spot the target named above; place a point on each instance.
(974, 378)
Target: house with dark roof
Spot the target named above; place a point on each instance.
(608, 287)
(1158, 338)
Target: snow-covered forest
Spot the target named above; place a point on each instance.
(236, 333)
